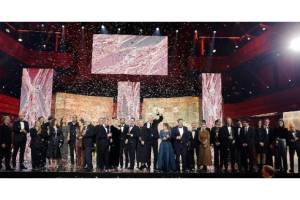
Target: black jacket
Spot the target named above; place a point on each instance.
(225, 139)
(215, 136)
(89, 137)
(153, 130)
(133, 134)
(246, 137)
(17, 130)
(5, 135)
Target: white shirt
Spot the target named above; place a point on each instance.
(122, 128)
(267, 130)
(130, 128)
(229, 130)
(193, 133)
(148, 125)
(104, 127)
(180, 130)
(22, 125)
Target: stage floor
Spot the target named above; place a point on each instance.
(131, 174)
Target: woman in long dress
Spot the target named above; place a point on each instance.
(56, 141)
(36, 145)
(166, 157)
(65, 147)
(79, 144)
(141, 146)
(204, 147)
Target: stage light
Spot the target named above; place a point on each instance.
(42, 25)
(268, 87)
(215, 32)
(248, 38)
(44, 45)
(20, 39)
(157, 29)
(7, 30)
(82, 27)
(119, 29)
(176, 31)
(290, 80)
(214, 51)
(264, 28)
(141, 30)
(102, 26)
(295, 44)
(63, 26)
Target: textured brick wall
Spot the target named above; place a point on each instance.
(86, 107)
(187, 108)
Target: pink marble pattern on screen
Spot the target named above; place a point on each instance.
(212, 98)
(128, 104)
(130, 54)
(36, 96)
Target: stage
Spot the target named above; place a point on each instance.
(134, 174)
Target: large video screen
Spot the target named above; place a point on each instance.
(130, 54)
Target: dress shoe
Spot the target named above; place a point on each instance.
(22, 167)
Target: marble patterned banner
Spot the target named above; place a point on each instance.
(212, 100)
(128, 102)
(36, 93)
(36, 97)
(130, 54)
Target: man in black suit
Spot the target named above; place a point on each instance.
(114, 146)
(20, 129)
(215, 142)
(5, 142)
(103, 137)
(180, 137)
(193, 147)
(294, 146)
(131, 140)
(152, 139)
(246, 142)
(269, 132)
(88, 141)
(238, 130)
(228, 146)
(73, 125)
(122, 131)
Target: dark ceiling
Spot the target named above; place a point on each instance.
(245, 80)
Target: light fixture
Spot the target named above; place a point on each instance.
(268, 87)
(141, 30)
(119, 29)
(157, 29)
(7, 30)
(42, 25)
(82, 27)
(264, 28)
(196, 31)
(63, 26)
(248, 38)
(44, 45)
(295, 44)
(102, 26)
(290, 80)
(20, 39)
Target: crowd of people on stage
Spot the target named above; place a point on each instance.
(228, 148)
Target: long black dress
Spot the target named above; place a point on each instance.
(36, 145)
(141, 147)
(56, 140)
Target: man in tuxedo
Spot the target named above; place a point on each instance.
(193, 147)
(122, 131)
(5, 142)
(88, 141)
(228, 146)
(215, 142)
(238, 131)
(131, 140)
(246, 146)
(180, 137)
(152, 140)
(294, 146)
(103, 137)
(20, 129)
(269, 133)
(73, 126)
(114, 146)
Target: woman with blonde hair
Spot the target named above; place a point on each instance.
(81, 130)
(36, 145)
(204, 147)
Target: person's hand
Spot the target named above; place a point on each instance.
(230, 137)
(109, 135)
(233, 141)
(111, 140)
(3, 146)
(178, 137)
(261, 144)
(245, 144)
(142, 142)
(126, 141)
